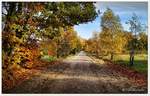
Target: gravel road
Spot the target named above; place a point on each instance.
(77, 74)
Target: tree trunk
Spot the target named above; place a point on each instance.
(132, 57)
(112, 56)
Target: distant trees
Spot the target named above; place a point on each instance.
(114, 40)
(109, 40)
(94, 44)
(68, 43)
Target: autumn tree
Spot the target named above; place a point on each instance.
(33, 21)
(95, 46)
(143, 40)
(111, 37)
(60, 14)
(68, 43)
(88, 46)
(135, 28)
(27, 24)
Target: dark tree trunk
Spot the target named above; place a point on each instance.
(112, 56)
(20, 6)
(8, 22)
(132, 57)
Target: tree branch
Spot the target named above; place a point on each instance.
(4, 13)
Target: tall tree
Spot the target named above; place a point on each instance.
(111, 37)
(135, 28)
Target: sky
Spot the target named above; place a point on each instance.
(125, 11)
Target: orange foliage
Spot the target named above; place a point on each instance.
(38, 7)
(51, 53)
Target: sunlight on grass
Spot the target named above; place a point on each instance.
(140, 63)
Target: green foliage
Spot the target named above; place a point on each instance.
(69, 13)
(48, 58)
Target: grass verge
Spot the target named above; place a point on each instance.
(48, 58)
(140, 62)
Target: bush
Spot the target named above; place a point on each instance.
(48, 58)
(21, 58)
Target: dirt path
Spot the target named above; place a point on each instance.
(77, 74)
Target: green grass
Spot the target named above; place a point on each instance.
(140, 62)
(48, 58)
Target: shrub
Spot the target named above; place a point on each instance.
(48, 58)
